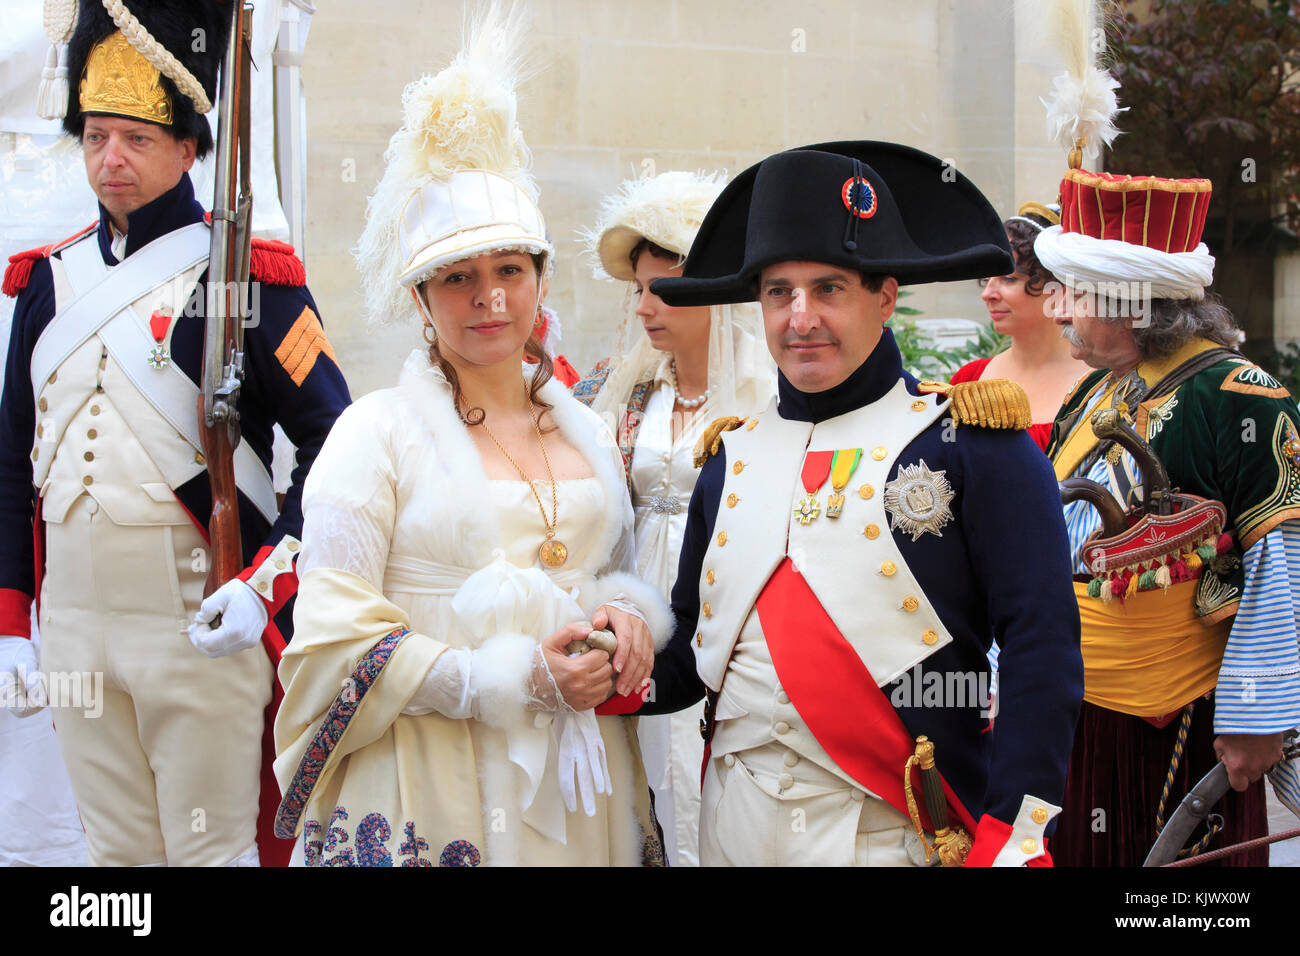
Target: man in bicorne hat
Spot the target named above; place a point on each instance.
(99, 456)
(852, 550)
(1189, 649)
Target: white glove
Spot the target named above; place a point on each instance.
(21, 689)
(582, 751)
(243, 619)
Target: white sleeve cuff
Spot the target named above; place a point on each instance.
(628, 592)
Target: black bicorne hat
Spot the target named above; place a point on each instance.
(196, 33)
(872, 207)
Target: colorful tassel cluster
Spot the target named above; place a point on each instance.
(1174, 568)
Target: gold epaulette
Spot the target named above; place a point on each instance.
(708, 444)
(989, 403)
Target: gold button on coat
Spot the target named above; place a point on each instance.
(94, 409)
(910, 603)
(1040, 815)
(88, 480)
(92, 434)
(36, 453)
(293, 545)
(707, 609)
(281, 565)
(918, 406)
(709, 576)
(54, 377)
(887, 568)
(699, 640)
(753, 422)
(930, 637)
(872, 532)
(738, 467)
(89, 456)
(1030, 846)
(732, 499)
(722, 538)
(866, 491)
(42, 404)
(261, 585)
(879, 453)
(39, 430)
(199, 459)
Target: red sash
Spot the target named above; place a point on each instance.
(836, 695)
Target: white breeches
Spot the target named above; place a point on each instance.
(162, 744)
(751, 816)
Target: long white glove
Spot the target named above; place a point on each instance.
(21, 690)
(243, 619)
(582, 751)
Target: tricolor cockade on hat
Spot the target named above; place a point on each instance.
(148, 60)
(457, 182)
(1115, 231)
(872, 207)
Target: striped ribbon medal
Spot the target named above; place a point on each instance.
(844, 463)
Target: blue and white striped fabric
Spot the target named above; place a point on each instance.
(1259, 681)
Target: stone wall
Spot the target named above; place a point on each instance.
(625, 89)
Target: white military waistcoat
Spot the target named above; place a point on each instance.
(850, 563)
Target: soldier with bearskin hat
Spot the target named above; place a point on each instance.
(103, 488)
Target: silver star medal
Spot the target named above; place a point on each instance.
(917, 500)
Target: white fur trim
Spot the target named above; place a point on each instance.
(498, 677)
(654, 610)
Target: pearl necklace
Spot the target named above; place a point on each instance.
(688, 403)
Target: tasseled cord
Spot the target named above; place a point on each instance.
(52, 97)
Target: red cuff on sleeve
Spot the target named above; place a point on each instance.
(991, 835)
(620, 704)
(15, 613)
(283, 587)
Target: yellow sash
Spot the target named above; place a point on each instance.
(1148, 655)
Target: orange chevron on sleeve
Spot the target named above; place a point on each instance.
(302, 344)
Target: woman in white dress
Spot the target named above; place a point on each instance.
(675, 371)
(460, 531)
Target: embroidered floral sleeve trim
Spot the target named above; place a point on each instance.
(331, 732)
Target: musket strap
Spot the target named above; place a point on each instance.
(171, 392)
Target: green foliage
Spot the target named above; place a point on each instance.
(924, 360)
(1212, 91)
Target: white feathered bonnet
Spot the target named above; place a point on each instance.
(458, 180)
(666, 209)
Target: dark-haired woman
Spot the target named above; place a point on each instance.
(461, 530)
(1019, 306)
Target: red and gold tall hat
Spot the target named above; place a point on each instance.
(1138, 231)
(1167, 215)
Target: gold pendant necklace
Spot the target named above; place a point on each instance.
(551, 552)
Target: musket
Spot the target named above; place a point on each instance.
(227, 298)
(1196, 808)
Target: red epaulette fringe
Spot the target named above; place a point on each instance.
(275, 263)
(19, 271)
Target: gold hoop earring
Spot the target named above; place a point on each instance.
(430, 334)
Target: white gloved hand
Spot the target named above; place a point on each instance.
(243, 619)
(582, 751)
(22, 692)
